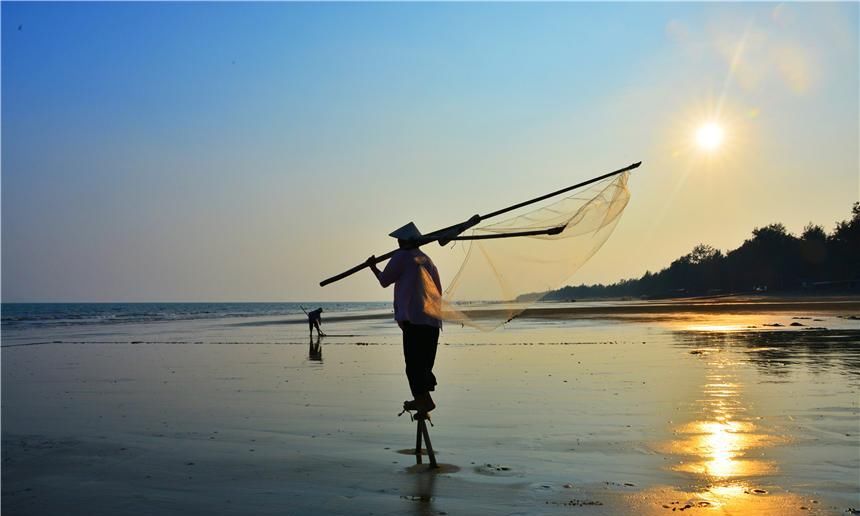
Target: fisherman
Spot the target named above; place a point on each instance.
(417, 310)
(314, 319)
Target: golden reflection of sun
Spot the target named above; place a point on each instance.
(714, 327)
(722, 445)
(715, 323)
(710, 136)
(717, 445)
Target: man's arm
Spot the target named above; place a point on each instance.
(392, 270)
(371, 264)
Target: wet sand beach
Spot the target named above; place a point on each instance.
(730, 410)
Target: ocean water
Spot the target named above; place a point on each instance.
(19, 316)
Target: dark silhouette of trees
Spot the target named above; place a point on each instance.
(771, 260)
(844, 246)
(813, 252)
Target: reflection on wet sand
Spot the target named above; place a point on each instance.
(315, 350)
(711, 324)
(717, 447)
(722, 452)
(775, 347)
(422, 494)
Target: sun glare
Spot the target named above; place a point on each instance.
(709, 136)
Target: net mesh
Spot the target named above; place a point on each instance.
(500, 278)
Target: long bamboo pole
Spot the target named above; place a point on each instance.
(445, 235)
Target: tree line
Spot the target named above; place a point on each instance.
(771, 260)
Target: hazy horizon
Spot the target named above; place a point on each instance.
(184, 152)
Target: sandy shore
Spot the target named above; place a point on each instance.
(709, 412)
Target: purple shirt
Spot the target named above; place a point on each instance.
(417, 289)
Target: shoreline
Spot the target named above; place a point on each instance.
(843, 305)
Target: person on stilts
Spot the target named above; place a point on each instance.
(417, 310)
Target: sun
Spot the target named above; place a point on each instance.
(709, 136)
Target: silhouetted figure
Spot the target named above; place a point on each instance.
(417, 310)
(314, 319)
(315, 350)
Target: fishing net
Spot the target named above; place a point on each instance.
(500, 277)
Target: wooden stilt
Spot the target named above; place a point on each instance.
(422, 427)
(421, 431)
(418, 442)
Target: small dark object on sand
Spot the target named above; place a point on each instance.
(576, 503)
(796, 324)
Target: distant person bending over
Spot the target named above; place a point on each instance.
(417, 310)
(314, 319)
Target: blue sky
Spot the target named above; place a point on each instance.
(159, 151)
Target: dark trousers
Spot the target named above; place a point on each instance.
(419, 350)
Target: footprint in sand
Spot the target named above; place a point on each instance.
(497, 470)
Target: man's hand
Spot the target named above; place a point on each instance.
(371, 262)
